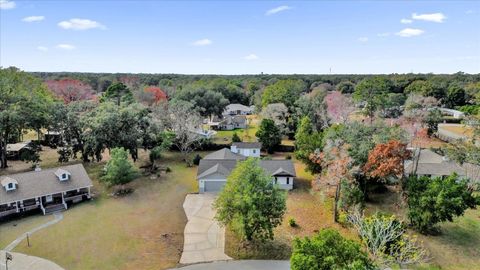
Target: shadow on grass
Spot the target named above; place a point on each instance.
(256, 250)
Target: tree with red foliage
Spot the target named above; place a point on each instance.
(157, 94)
(70, 89)
(386, 160)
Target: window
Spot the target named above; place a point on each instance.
(49, 198)
(10, 186)
(254, 151)
(275, 180)
(288, 180)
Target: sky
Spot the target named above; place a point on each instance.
(241, 37)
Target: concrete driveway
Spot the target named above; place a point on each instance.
(240, 265)
(24, 262)
(204, 238)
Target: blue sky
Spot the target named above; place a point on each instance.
(241, 37)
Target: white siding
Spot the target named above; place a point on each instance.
(249, 152)
(284, 182)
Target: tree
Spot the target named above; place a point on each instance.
(208, 102)
(277, 112)
(70, 90)
(235, 137)
(386, 240)
(250, 203)
(24, 103)
(307, 141)
(346, 87)
(119, 170)
(328, 250)
(339, 107)
(155, 95)
(314, 106)
(117, 93)
(283, 91)
(182, 119)
(269, 135)
(419, 87)
(432, 119)
(434, 200)
(455, 96)
(386, 160)
(373, 92)
(467, 154)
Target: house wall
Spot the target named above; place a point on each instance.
(282, 182)
(249, 152)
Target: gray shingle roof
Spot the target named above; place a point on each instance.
(237, 107)
(247, 145)
(431, 163)
(224, 167)
(224, 154)
(45, 182)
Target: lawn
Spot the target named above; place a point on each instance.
(312, 211)
(458, 245)
(143, 230)
(246, 135)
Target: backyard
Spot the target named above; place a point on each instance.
(143, 230)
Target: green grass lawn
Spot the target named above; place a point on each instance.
(143, 230)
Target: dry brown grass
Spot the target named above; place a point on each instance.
(143, 230)
(459, 129)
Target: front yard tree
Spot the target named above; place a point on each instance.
(328, 250)
(434, 200)
(386, 160)
(235, 137)
(119, 170)
(250, 203)
(269, 135)
(24, 103)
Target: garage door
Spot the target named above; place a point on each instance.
(214, 186)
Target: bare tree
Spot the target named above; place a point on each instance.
(278, 112)
(181, 118)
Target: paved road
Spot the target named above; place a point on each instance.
(240, 265)
(204, 238)
(57, 217)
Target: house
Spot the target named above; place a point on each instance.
(205, 133)
(237, 109)
(248, 149)
(425, 162)
(215, 168)
(228, 122)
(46, 190)
(453, 113)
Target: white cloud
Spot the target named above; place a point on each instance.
(470, 11)
(410, 32)
(406, 21)
(386, 34)
(65, 47)
(33, 18)
(363, 39)
(277, 10)
(202, 42)
(80, 24)
(5, 4)
(432, 17)
(251, 57)
(43, 48)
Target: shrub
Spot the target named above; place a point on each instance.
(119, 170)
(292, 222)
(328, 250)
(196, 159)
(235, 137)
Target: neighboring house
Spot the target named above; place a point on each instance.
(425, 162)
(248, 149)
(215, 168)
(238, 109)
(48, 190)
(228, 122)
(14, 150)
(205, 133)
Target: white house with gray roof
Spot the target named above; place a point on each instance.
(45, 190)
(215, 168)
(248, 149)
(238, 109)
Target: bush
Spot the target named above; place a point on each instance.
(328, 250)
(196, 159)
(434, 200)
(292, 222)
(235, 137)
(168, 170)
